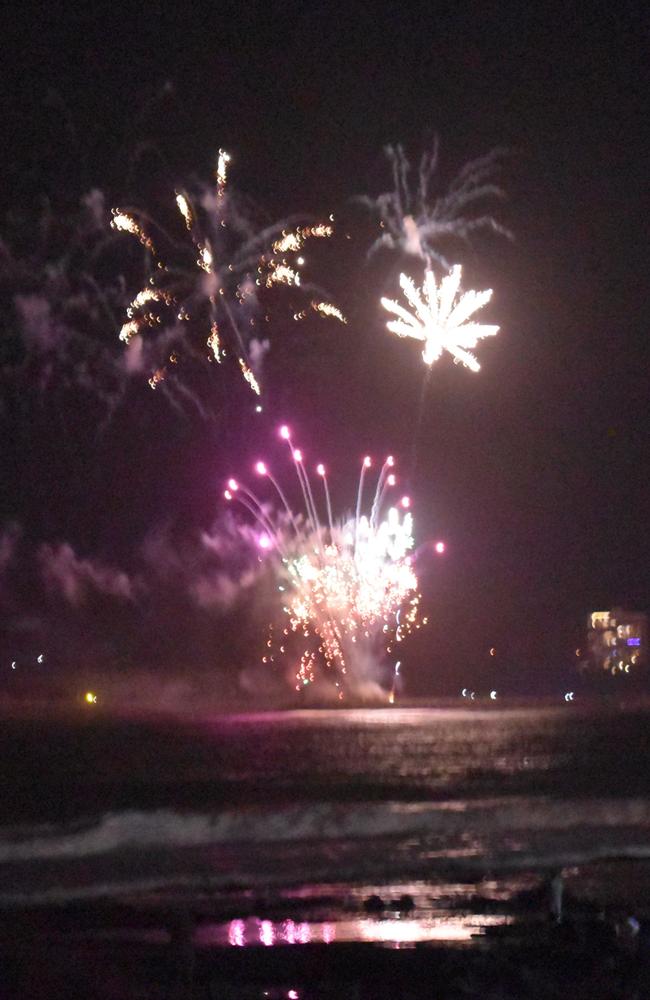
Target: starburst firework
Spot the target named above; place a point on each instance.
(440, 317)
(205, 297)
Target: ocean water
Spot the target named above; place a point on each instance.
(310, 811)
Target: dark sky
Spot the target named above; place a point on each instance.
(535, 470)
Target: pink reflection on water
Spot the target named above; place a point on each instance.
(399, 932)
(304, 933)
(390, 932)
(267, 933)
(329, 933)
(236, 933)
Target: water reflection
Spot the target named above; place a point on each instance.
(391, 931)
(267, 933)
(236, 933)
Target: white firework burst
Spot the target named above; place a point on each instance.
(440, 317)
(418, 221)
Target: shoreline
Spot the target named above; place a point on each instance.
(75, 711)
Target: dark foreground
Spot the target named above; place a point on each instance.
(110, 951)
(235, 857)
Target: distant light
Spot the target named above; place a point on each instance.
(227, 494)
(233, 484)
(264, 542)
(473, 695)
(390, 461)
(13, 664)
(297, 455)
(320, 469)
(91, 698)
(578, 652)
(493, 651)
(464, 692)
(440, 547)
(391, 480)
(634, 642)
(493, 695)
(405, 502)
(367, 462)
(40, 658)
(258, 408)
(568, 696)
(260, 468)
(284, 432)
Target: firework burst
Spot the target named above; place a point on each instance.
(205, 296)
(348, 586)
(440, 317)
(416, 222)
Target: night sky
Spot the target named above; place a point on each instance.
(535, 470)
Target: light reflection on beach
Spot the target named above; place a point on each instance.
(393, 931)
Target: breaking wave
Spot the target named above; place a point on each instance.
(487, 820)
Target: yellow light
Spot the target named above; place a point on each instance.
(222, 163)
(327, 309)
(214, 342)
(184, 209)
(249, 377)
(205, 259)
(91, 698)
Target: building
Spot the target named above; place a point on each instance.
(617, 642)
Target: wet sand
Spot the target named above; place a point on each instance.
(509, 949)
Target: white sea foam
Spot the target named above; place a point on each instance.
(119, 831)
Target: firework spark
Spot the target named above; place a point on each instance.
(184, 209)
(124, 222)
(440, 316)
(249, 377)
(417, 223)
(222, 166)
(214, 343)
(327, 309)
(215, 281)
(346, 585)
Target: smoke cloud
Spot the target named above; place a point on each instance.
(75, 578)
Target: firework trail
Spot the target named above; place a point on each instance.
(348, 586)
(206, 295)
(416, 222)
